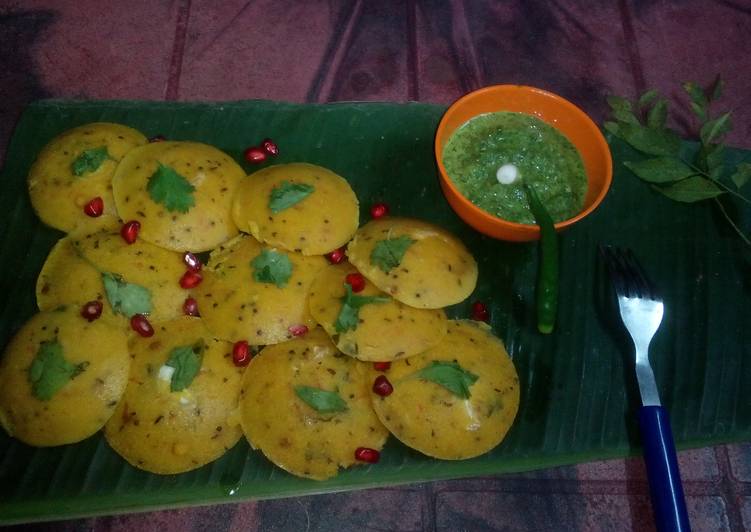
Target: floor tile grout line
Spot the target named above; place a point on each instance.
(321, 88)
(413, 87)
(632, 46)
(178, 51)
(729, 489)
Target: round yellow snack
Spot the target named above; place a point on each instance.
(322, 221)
(168, 432)
(95, 356)
(413, 261)
(57, 194)
(385, 331)
(291, 433)
(235, 305)
(428, 417)
(185, 212)
(154, 268)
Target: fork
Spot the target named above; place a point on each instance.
(641, 311)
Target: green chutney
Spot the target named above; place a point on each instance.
(545, 160)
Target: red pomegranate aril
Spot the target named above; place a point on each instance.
(379, 210)
(192, 262)
(241, 353)
(356, 281)
(336, 256)
(480, 312)
(141, 325)
(92, 310)
(190, 279)
(298, 330)
(94, 208)
(270, 147)
(364, 454)
(255, 155)
(382, 366)
(157, 138)
(129, 231)
(190, 307)
(382, 386)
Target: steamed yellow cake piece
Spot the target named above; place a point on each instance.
(298, 206)
(155, 269)
(179, 410)
(61, 378)
(180, 192)
(455, 401)
(307, 407)
(256, 293)
(415, 262)
(67, 278)
(384, 329)
(76, 167)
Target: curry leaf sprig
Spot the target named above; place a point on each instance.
(642, 125)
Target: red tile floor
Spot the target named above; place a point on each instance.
(430, 50)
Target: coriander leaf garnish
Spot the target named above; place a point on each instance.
(701, 175)
(349, 315)
(89, 161)
(320, 400)
(49, 371)
(286, 194)
(187, 361)
(451, 376)
(272, 267)
(388, 254)
(172, 190)
(126, 298)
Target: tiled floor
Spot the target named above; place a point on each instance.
(431, 50)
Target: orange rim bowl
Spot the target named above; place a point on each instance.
(548, 107)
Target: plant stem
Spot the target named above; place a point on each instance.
(730, 221)
(720, 184)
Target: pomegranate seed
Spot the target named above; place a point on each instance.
(270, 147)
(382, 386)
(94, 208)
(356, 281)
(379, 210)
(480, 312)
(190, 307)
(241, 353)
(382, 366)
(190, 279)
(92, 310)
(364, 454)
(157, 138)
(141, 325)
(129, 231)
(336, 256)
(254, 155)
(298, 330)
(192, 262)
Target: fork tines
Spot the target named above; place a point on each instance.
(629, 278)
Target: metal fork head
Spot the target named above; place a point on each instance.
(641, 311)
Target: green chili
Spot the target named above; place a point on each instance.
(547, 279)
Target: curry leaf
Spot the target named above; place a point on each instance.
(699, 100)
(320, 400)
(622, 109)
(451, 376)
(658, 114)
(651, 141)
(742, 174)
(660, 169)
(714, 129)
(647, 98)
(692, 189)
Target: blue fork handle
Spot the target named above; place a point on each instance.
(665, 486)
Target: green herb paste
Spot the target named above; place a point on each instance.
(544, 158)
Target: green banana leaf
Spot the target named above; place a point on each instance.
(578, 394)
